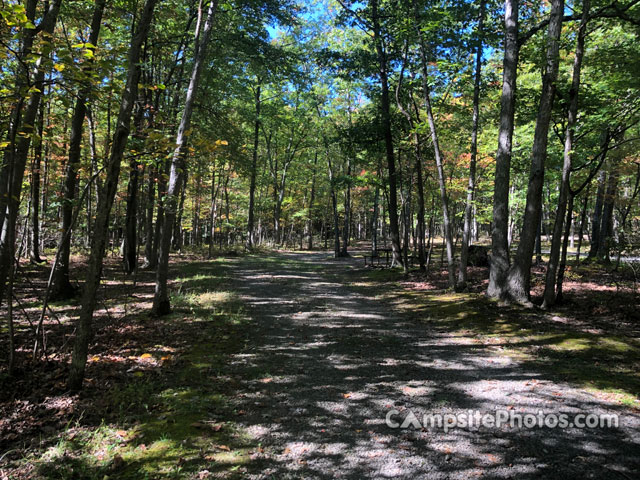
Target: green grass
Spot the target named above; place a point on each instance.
(604, 363)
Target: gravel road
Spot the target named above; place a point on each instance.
(327, 363)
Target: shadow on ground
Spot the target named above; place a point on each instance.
(328, 361)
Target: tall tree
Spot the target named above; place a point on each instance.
(161, 300)
(468, 209)
(500, 224)
(569, 146)
(105, 201)
(519, 276)
(254, 167)
(21, 129)
(385, 106)
(61, 285)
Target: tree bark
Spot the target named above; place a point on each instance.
(309, 226)
(17, 152)
(61, 287)
(583, 220)
(549, 296)
(394, 228)
(596, 219)
(468, 210)
(101, 225)
(148, 229)
(446, 219)
(606, 229)
(563, 258)
(347, 214)
(34, 253)
(161, 301)
(334, 204)
(519, 276)
(130, 240)
(499, 264)
(254, 167)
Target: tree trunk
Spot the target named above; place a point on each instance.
(549, 297)
(606, 230)
(347, 214)
(394, 229)
(148, 228)
(176, 237)
(161, 301)
(374, 222)
(334, 204)
(34, 253)
(254, 167)
(61, 287)
(596, 219)
(309, 226)
(583, 220)
(468, 210)
(130, 241)
(446, 219)
(500, 225)
(17, 152)
(101, 226)
(519, 276)
(563, 258)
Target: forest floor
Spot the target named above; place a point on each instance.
(285, 365)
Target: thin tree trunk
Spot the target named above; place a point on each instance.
(34, 253)
(563, 258)
(309, 226)
(130, 241)
(157, 232)
(583, 220)
(176, 238)
(61, 287)
(519, 276)
(101, 226)
(466, 231)
(254, 167)
(148, 229)
(394, 229)
(596, 219)
(500, 225)
(347, 214)
(17, 152)
(374, 222)
(161, 301)
(549, 296)
(334, 204)
(446, 219)
(606, 230)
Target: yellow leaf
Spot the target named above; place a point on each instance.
(59, 67)
(146, 355)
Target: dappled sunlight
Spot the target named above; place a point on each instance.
(336, 359)
(281, 365)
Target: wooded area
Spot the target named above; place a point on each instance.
(489, 148)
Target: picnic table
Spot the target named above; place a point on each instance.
(384, 253)
(378, 255)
